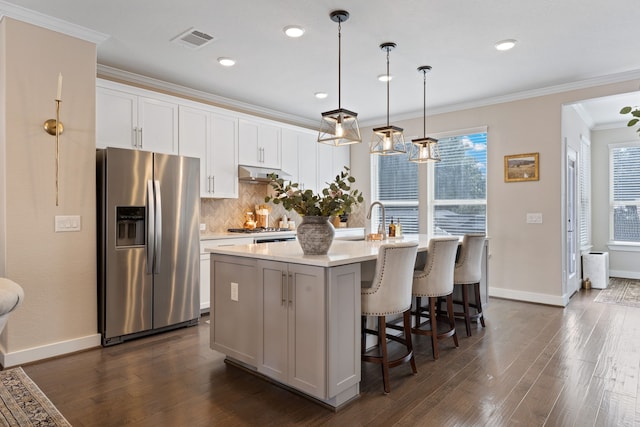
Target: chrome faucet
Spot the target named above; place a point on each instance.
(384, 218)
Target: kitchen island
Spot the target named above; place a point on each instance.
(294, 318)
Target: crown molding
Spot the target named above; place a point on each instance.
(49, 22)
(516, 96)
(221, 101)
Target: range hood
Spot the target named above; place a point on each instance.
(256, 175)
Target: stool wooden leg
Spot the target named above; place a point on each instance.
(434, 327)
(476, 290)
(406, 319)
(465, 308)
(382, 338)
(417, 313)
(452, 320)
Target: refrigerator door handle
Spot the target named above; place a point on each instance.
(158, 235)
(151, 231)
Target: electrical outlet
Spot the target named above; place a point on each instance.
(203, 227)
(534, 218)
(234, 291)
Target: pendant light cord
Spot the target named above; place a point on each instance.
(388, 78)
(424, 103)
(339, 62)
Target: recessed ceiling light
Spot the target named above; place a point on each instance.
(227, 62)
(293, 31)
(321, 95)
(384, 77)
(505, 44)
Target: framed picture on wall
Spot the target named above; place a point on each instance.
(521, 167)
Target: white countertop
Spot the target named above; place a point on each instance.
(228, 235)
(340, 253)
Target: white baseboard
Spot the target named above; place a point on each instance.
(558, 300)
(624, 274)
(21, 357)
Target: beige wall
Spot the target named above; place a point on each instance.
(56, 270)
(525, 259)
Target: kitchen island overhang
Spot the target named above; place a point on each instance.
(295, 318)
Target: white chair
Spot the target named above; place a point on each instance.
(11, 296)
(389, 294)
(468, 272)
(433, 281)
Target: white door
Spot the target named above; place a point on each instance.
(573, 281)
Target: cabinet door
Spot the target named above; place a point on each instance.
(158, 121)
(195, 135)
(289, 146)
(307, 329)
(331, 161)
(269, 142)
(116, 119)
(259, 144)
(223, 153)
(273, 319)
(308, 161)
(249, 153)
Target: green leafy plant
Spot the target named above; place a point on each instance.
(336, 199)
(635, 113)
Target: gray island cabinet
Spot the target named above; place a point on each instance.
(292, 318)
(295, 323)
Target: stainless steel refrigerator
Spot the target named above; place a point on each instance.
(148, 207)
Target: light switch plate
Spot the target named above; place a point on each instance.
(534, 218)
(64, 223)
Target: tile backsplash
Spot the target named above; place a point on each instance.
(221, 214)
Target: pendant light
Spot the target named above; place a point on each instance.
(339, 127)
(387, 140)
(424, 149)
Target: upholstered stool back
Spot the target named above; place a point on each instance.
(436, 279)
(390, 291)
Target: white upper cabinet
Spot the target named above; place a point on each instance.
(259, 144)
(290, 154)
(212, 138)
(300, 157)
(331, 161)
(128, 117)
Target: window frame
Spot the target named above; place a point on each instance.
(426, 190)
(622, 244)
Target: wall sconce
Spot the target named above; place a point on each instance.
(55, 127)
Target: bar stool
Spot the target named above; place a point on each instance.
(389, 294)
(468, 272)
(434, 281)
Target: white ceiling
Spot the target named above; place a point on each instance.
(560, 43)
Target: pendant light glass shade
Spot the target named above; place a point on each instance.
(387, 140)
(339, 127)
(424, 149)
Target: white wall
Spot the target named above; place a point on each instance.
(622, 263)
(526, 260)
(56, 270)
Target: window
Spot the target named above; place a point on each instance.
(624, 192)
(584, 183)
(456, 189)
(397, 189)
(458, 198)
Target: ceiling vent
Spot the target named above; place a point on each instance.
(193, 39)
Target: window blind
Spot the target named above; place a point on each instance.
(625, 192)
(584, 184)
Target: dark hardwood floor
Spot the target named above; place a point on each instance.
(533, 365)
